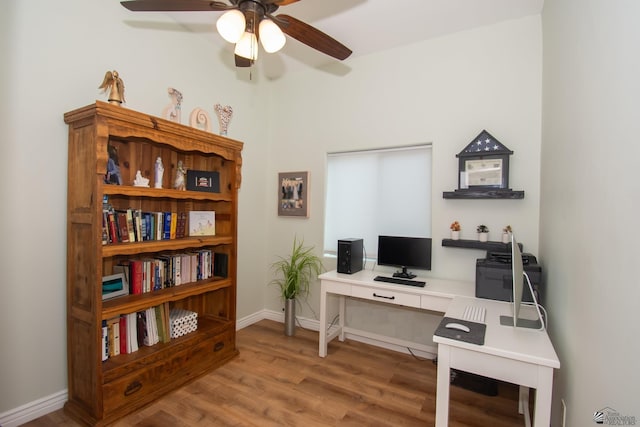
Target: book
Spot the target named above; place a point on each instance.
(166, 226)
(130, 226)
(123, 333)
(151, 336)
(123, 230)
(105, 227)
(145, 225)
(162, 322)
(135, 224)
(132, 333)
(181, 225)
(202, 223)
(113, 226)
(159, 220)
(141, 325)
(113, 325)
(105, 341)
(177, 276)
(136, 286)
(106, 208)
(220, 262)
(185, 268)
(173, 226)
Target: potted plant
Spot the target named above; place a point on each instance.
(295, 273)
(506, 234)
(483, 233)
(455, 230)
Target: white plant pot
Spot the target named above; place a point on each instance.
(505, 238)
(483, 237)
(455, 235)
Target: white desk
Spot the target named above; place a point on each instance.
(520, 356)
(435, 296)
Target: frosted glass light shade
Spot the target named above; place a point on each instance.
(271, 36)
(231, 25)
(247, 46)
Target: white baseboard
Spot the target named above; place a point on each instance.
(45, 405)
(33, 410)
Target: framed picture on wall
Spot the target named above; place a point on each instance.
(293, 194)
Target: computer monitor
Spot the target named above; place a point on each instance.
(518, 273)
(404, 252)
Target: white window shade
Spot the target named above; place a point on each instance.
(377, 192)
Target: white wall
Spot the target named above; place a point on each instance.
(444, 91)
(590, 203)
(55, 54)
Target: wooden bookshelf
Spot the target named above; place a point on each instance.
(99, 391)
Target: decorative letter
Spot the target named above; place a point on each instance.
(200, 119)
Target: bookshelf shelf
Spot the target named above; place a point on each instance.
(207, 326)
(131, 191)
(134, 303)
(164, 245)
(102, 389)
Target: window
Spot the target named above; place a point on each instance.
(376, 192)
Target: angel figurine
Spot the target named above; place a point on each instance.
(179, 183)
(114, 84)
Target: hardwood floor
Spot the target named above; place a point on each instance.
(280, 380)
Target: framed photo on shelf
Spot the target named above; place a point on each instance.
(115, 285)
(293, 194)
(483, 173)
(203, 181)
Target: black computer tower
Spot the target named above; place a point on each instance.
(350, 255)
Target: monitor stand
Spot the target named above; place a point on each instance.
(404, 274)
(522, 323)
(526, 323)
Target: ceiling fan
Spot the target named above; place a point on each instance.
(247, 21)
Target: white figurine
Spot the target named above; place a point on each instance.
(159, 173)
(140, 181)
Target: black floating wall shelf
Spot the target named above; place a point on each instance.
(476, 244)
(484, 194)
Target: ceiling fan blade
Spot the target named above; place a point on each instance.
(280, 2)
(312, 37)
(241, 61)
(175, 5)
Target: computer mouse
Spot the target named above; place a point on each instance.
(457, 326)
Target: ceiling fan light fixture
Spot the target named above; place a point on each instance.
(271, 36)
(231, 25)
(247, 46)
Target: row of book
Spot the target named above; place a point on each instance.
(166, 271)
(134, 225)
(126, 333)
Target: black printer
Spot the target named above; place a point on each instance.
(494, 277)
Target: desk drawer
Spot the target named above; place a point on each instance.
(435, 303)
(389, 297)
